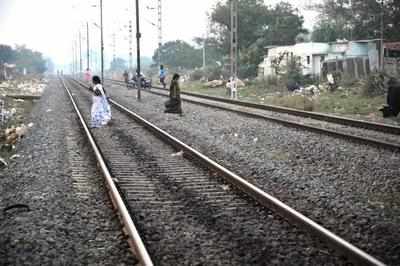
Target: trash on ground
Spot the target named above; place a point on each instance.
(178, 154)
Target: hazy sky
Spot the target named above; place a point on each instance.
(50, 26)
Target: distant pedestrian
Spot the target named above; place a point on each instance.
(393, 99)
(126, 77)
(101, 111)
(162, 75)
(174, 104)
(232, 88)
(88, 75)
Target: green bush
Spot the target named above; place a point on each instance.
(374, 85)
(198, 74)
(347, 80)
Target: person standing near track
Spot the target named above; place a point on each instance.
(162, 75)
(100, 111)
(126, 77)
(174, 104)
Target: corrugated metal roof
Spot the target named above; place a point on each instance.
(393, 46)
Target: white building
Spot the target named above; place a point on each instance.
(353, 56)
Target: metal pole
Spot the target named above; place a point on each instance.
(204, 53)
(382, 43)
(130, 46)
(80, 53)
(102, 41)
(87, 47)
(76, 56)
(114, 46)
(73, 61)
(138, 50)
(234, 37)
(159, 26)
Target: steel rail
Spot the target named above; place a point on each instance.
(330, 132)
(315, 115)
(353, 253)
(140, 249)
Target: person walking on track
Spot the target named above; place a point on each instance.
(101, 111)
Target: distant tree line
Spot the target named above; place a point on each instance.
(357, 20)
(259, 25)
(23, 58)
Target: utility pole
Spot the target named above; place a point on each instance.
(139, 78)
(75, 56)
(87, 47)
(80, 53)
(159, 26)
(205, 41)
(204, 53)
(234, 38)
(382, 55)
(102, 41)
(130, 46)
(114, 44)
(351, 20)
(73, 59)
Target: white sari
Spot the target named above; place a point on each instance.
(101, 111)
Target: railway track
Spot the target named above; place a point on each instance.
(381, 135)
(162, 189)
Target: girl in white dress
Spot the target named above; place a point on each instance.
(101, 111)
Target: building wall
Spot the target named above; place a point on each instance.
(341, 56)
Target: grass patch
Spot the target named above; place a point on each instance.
(343, 102)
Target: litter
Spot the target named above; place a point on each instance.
(3, 163)
(15, 156)
(178, 154)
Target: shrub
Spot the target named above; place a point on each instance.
(374, 85)
(197, 74)
(347, 80)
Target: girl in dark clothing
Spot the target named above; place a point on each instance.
(174, 104)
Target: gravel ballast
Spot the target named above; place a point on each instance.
(70, 220)
(352, 189)
(188, 216)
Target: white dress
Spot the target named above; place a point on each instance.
(101, 111)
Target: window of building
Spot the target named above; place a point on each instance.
(308, 60)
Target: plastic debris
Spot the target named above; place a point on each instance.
(3, 163)
(225, 187)
(178, 154)
(15, 156)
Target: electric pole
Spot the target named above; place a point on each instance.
(102, 41)
(130, 46)
(234, 38)
(80, 53)
(139, 77)
(159, 26)
(87, 47)
(114, 44)
(382, 55)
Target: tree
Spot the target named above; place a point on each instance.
(180, 54)
(7, 54)
(258, 26)
(118, 64)
(357, 19)
(32, 61)
(324, 32)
